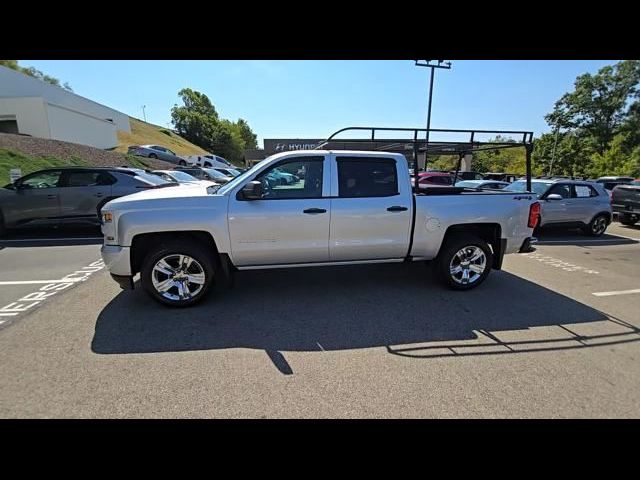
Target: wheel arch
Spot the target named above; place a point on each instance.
(489, 232)
(605, 213)
(142, 243)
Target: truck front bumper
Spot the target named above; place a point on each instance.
(117, 260)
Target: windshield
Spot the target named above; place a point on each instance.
(635, 183)
(240, 178)
(150, 178)
(521, 186)
(182, 176)
(215, 173)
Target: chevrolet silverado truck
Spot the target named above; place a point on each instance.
(349, 207)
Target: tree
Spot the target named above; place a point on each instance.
(599, 103)
(616, 160)
(197, 121)
(33, 72)
(250, 138)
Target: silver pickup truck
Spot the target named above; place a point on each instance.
(346, 207)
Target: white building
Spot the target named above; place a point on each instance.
(33, 107)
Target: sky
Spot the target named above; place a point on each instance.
(314, 98)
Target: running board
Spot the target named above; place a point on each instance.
(319, 264)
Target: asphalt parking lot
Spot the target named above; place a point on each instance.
(555, 334)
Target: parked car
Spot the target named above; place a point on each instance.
(570, 203)
(157, 151)
(60, 196)
(205, 174)
(625, 201)
(179, 176)
(482, 184)
(229, 172)
(501, 176)
(434, 179)
(353, 207)
(468, 175)
(277, 175)
(610, 182)
(207, 160)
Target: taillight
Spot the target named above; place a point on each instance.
(534, 214)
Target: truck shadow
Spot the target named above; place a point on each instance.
(341, 308)
(551, 236)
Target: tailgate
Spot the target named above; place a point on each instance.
(626, 195)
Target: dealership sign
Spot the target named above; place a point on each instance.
(277, 145)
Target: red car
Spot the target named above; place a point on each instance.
(434, 179)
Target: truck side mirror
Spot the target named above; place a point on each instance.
(252, 190)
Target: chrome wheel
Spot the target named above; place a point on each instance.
(468, 265)
(599, 226)
(178, 277)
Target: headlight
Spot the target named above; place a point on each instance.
(107, 217)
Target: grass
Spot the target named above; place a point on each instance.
(10, 159)
(143, 133)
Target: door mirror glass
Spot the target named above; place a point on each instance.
(554, 196)
(252, 190)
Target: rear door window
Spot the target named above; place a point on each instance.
(371, 177)
(88, 179)
(584, 191)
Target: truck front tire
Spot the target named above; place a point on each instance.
(464, 262)
(178, 274)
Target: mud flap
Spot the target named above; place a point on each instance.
(499, 255)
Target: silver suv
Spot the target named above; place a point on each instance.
(570, 203)
(60, 196)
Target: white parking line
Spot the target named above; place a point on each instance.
(619, 292)
(34, 282)
(50, 288)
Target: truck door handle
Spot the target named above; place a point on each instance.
(397, 208)
(98, 195)
(314, 210)
(52, 197)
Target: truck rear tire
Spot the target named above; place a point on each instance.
(178, 274)
(464, 262)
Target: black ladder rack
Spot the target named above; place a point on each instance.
(415, 143)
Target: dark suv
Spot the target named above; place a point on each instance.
(60, 196)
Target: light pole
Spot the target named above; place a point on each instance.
(143, 113)
(432, 66)
(553, 153)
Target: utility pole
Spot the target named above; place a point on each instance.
(553, 153)
(143, 113)
(432, 66)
